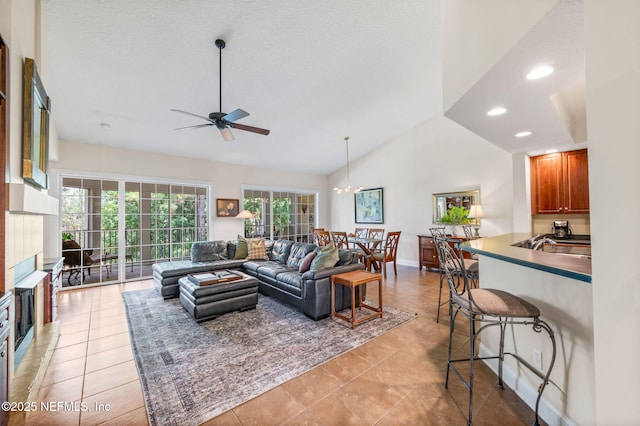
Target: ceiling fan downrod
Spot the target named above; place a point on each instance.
(220, 44)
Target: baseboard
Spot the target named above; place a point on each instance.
(547, 411)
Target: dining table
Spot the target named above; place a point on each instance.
(368, 247)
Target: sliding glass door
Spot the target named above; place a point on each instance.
(280, 214)
(114, 230)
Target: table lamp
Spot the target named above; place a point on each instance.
(475, 212)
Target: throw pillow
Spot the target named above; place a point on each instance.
(257, 250)
(242, 249)
(326, 258)
(305, 265)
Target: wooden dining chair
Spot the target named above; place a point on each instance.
(388, 252)
(362, 232)
(377, 233)
(340, 240)
(321, 238)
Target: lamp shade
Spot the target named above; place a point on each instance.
(245, 214)
(475, 211)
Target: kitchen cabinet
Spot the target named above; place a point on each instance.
(560, 183)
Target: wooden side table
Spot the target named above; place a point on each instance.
(352, 280)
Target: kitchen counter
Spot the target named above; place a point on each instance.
(500, 247)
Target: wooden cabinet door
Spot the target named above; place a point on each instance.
(576, 182)
(546, 184)
(427, 252)
(560, 183)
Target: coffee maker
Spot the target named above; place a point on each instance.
(561, 228)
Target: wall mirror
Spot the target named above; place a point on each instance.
(35, 132)
(445, 200)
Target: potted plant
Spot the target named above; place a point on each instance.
(455, 216)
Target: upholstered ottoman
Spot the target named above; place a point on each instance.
(210, 301)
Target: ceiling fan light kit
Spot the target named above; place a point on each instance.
(221, 120)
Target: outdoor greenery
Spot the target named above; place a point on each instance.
(456, 216)
(282, 215)
(165, 223)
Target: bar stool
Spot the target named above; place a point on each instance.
(487, 307)
(472, 268)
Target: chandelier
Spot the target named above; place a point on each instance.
(348, 188)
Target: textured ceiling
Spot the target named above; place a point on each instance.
(556, 40)
(311, 72)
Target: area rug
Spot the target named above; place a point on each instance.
(193, 372)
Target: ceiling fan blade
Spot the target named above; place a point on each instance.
(235, 115)
(190, 113)
(249, 128)
(194, 127)
(226, 134)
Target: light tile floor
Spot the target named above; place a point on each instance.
(394, 379)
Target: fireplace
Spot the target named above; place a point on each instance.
(24, 320)
(27, 279)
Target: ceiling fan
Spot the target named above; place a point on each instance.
(221, 120)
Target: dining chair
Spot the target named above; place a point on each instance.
(377, 233)
(485, 308)
(340, 240)
(388, 252)
(362, 232)
(321, 238)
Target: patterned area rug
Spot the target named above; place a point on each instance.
(193, 372)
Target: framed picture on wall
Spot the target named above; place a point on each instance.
(369, 206)
(226, 207)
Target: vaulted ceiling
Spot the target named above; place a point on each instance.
(311, 72)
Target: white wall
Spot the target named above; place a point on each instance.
(612, 50)
(226, 180)
(437, 155)
(476, 34)
(565, 304)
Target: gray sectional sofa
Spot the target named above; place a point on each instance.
(278, 276)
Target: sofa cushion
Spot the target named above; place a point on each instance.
(242, 250)
(256, 249)
(291, 282)
(298, 252)
(268, 244)
(326, 258)
(306, 262)
(346, 257)
(281, 250)
(208, 251)
(272, 269)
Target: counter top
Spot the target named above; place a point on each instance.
(500, 247)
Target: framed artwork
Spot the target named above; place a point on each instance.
(35, 128)
(226, 207)
(369, 206)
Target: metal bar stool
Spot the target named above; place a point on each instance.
(487, 307)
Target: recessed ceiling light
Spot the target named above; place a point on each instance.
(539, 72)
(497, 111)
(522, 134)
